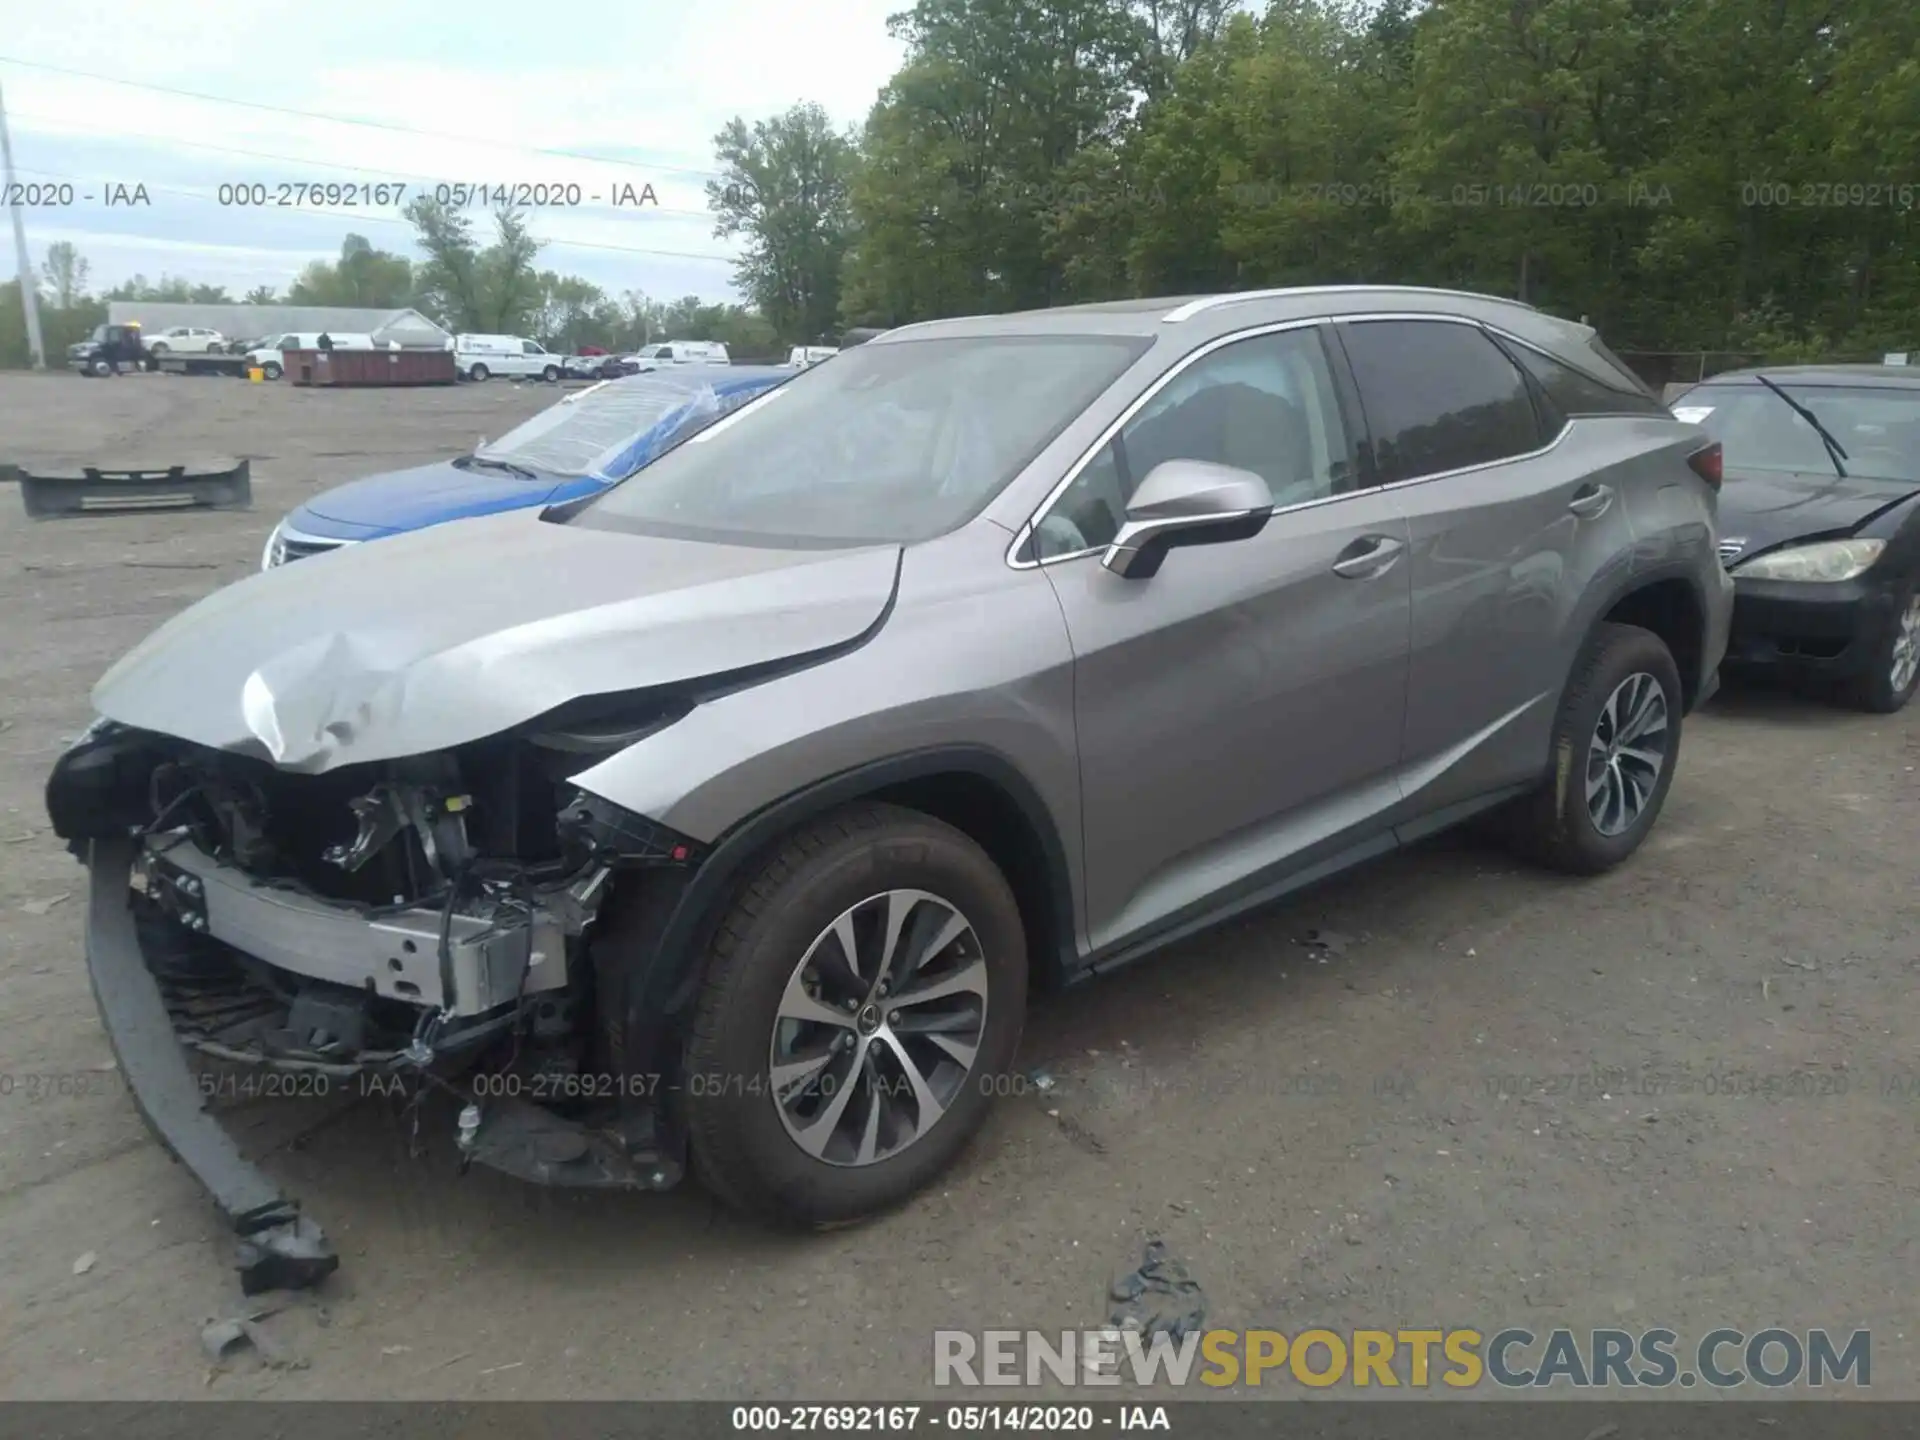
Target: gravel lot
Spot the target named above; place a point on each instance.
(1384, 1136)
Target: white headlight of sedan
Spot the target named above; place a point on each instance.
(274, 552)
(1825, 561)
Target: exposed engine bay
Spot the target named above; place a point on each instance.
(430, 919)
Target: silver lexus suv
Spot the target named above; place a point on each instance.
(724, 819)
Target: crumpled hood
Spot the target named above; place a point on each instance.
(1768, 508)
(450, 634)
(426, 495)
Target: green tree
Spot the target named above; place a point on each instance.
(65, 274)
(492, 290)
(362, 277)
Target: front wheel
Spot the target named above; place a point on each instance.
(271, 370)
(158, 350)
(863, 994)
(477, 373)
(1894, 673)
(550, 374)
(1616, 741)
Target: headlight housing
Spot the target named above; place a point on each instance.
(1823, 562)
(275, 550)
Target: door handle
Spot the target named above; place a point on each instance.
(1591, 501)
(1368, 556)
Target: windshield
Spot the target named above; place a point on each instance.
(609, 430)
(1878, 428)
(889, 444)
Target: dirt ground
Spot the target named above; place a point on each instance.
(1457, 1118)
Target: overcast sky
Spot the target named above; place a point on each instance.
(640, 87)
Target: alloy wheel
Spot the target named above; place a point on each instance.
(1906, 647)
(878, 1027)
(1626, 754)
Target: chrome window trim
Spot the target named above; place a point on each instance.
(1029, 530)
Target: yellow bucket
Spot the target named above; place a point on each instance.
(256, 374)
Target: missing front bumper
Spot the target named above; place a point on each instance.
(280, 1248)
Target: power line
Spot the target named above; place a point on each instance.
(345, 119)
(380, 171)
(368, 215)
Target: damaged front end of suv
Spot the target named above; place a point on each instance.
(430, 920)
(335, 829)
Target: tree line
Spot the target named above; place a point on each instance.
(1738, 175)
(1725, 175)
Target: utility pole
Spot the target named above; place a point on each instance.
(29, 298)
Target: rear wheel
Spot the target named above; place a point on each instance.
(1616, 741)
(862, 995)
(477, 373)
(1894, 674)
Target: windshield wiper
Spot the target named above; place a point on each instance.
(487, 462)
(1833, 446)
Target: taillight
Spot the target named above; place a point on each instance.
(1705, 463)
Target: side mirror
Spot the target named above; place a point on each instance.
(1186, 502)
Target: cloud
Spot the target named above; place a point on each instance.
(645, 88)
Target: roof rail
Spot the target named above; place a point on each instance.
(1210, 302)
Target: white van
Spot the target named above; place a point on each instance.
(479, 356)
(266, 355)
(801, 356)
(683, 352)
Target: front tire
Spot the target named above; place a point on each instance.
(550, 374)
(1889, 684)
(158, 350)
(863, 993)
(477, 374)
(1616, 742)
(271, 370)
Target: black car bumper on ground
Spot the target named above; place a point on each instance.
(279, 1247)
(1833, 629)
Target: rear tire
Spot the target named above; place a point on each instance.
(477, 374)
(1603, 797)
(1886, 688)
(840, 876)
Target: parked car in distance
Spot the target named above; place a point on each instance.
(579, 446)
(268, 355)
(802, 356)
(479, 357)
(186, 340)
(586, 367)
(682, 352)
(998, 650)
(1820, 522)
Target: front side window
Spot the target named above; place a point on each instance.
(527, 347)
(1266, 404)
(903, 444)
(1439, 396)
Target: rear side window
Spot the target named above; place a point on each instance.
(1438, 396)
(1570, 392)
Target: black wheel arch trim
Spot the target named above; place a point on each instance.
(1699, 686)
(672, 965)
